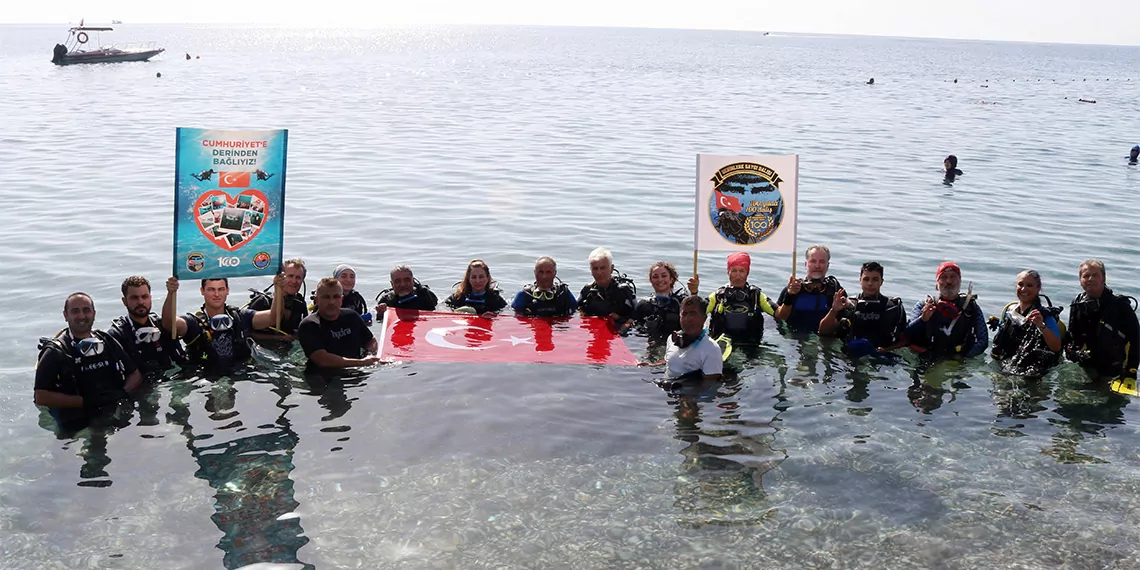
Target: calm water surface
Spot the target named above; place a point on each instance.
(433, 146)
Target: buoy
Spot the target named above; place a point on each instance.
(81, 37)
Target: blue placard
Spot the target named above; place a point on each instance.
(229, 202)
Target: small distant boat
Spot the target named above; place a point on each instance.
(75, 50)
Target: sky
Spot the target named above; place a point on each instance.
(1069, 21)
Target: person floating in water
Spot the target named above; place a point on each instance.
(871, 81)
(951, 166)
(1134, 155)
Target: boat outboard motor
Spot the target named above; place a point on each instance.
(58, 53)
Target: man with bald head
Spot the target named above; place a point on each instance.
(82, 372)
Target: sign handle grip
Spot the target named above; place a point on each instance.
(172, 319)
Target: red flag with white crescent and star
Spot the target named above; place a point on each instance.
(424, 336)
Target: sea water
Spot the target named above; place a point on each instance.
(433, 146)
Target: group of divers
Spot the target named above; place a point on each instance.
(83, 373)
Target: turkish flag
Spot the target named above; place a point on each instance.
(233, 179)
(424, 336)
(727, 202)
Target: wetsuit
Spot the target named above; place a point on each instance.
(354, 302)
(147, 346)
(217, 343)
(1018, 344)
(294, 305)
(811, 304)
(534, 302)
(880, 320)
(489, 301)
(617, 297)
(421, 299)
(1104, 334)
(100, 379)
(957, 331)
(738, 312)
(660, 314)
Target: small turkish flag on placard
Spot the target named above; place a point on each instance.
(233, 179)
(424, 336)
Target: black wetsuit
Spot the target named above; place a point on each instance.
(100, 379)
(1104, 335)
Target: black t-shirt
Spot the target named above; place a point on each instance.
(345, 337)
(99, 379)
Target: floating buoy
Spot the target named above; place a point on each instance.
(81, 37)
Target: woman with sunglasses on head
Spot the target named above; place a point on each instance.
(951, 325)
(82, 372)
(1028, 339)
(660, 313)
(478, 292)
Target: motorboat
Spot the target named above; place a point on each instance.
(76, 49)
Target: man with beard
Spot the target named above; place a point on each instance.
(139, 332)
(335, 337)
(951, 325)
(1104, 335)
(805, 302)
(82, 372)
(293, 311)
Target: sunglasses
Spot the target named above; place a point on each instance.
(221, 323)
(90, 346)
(148, 335)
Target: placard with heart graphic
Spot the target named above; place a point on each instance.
(231, 221)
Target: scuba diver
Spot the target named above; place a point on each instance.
(139, 332)
(352, 299)
(737, 309)
(805, 302)
(871, 323)
(1028, 339)
(335, 337)
(951, 325)
(293, 310)
(406, 293)
(691, 354)
(548, 296)
(219, 334)
(660, 313)
(950, 164)
(81, 372)
(1103, 332)
(609, 295)
(478, 291)
(1134, 155)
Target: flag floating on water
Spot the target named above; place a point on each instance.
(424, 336)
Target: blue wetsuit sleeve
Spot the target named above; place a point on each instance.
(915, 326)
(981, 333)
(1051, 324)
(571, 302)
(519, 303)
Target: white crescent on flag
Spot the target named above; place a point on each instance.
(438, 337)
(231, 178)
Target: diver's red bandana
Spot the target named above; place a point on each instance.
(740, 259)
(946, 266)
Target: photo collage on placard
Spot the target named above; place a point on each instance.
(235, 223)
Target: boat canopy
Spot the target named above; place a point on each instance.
(91, 29)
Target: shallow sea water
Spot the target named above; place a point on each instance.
(434, 146)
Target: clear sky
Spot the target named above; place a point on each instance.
(1069, 21)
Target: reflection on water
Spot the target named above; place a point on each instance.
(255, 508)
(720, 480)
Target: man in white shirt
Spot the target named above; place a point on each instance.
(691, 354)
